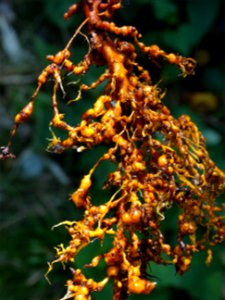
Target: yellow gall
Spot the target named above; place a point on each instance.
(24, 114)
(170, 170)
(149, 197)
(79, 198)
(103, 209)
(138, 166)
(155, 49)
(187, 228)
(72, 288)
(95, 261)
(83, 290)
(126, 218)
(85, 183)
(162, 160)
(209, 257)
(88, 132)
(135, 214)
(166, 248)
(184, 264)
(81, 297)
(112, 271)
(137, 285)
(171, 58)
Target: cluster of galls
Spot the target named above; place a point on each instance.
(160, 162)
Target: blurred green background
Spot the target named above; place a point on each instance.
(34, 187)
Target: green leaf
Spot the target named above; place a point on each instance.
(54, 10)
(212, 136)
(201, 15)
(180, 39)
(163, 9)
(43, 48)
(214, 78)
